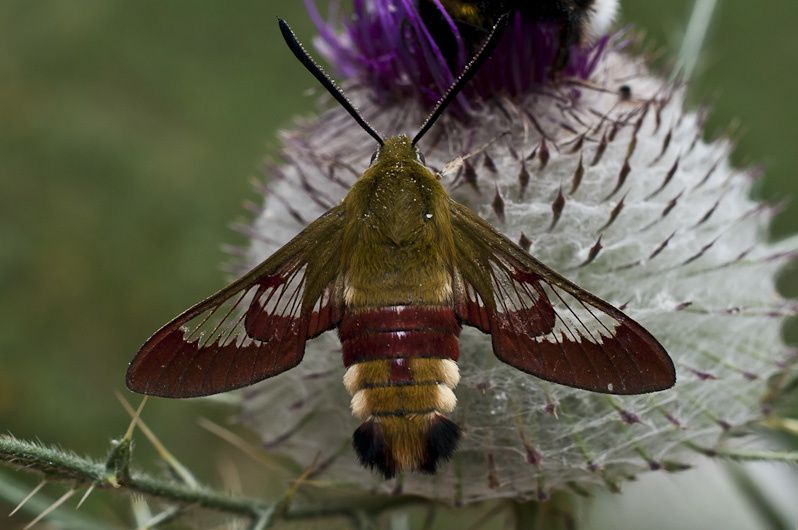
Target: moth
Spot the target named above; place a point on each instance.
(398, 268)
(577, 19)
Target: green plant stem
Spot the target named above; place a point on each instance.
(58, 465)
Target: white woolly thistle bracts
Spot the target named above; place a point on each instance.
(606, 178)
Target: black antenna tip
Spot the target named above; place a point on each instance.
(307, 61)
(470, 70)
(284, 27)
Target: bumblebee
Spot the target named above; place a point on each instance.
(577, 20)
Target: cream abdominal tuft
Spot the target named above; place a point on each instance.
(446, 401)
(352, 379)
(360, 405)
(450, 373)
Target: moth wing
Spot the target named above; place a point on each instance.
(254, 328)
(545, 325)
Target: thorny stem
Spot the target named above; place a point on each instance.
(62, 466)
(58, 465)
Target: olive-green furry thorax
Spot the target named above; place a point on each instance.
(398, 238)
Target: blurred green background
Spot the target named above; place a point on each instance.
(128, 135)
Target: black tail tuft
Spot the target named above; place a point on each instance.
(442, 440)
(371, 449)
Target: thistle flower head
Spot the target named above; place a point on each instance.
(405, 50)
(606, 178)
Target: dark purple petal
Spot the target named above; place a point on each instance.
(387, 45)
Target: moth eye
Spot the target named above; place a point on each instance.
(374, 156)
(420, 157)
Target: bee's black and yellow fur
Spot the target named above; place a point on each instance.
(576, 20)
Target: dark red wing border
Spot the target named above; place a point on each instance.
(626, 362)
(545, 325)
(253, 329)
(169, 365)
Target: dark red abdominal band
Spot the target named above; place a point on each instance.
(399, 332)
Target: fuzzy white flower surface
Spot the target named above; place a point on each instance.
(607, 179)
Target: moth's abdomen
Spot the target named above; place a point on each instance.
(401, 370)
(399, 332)
(401, 360)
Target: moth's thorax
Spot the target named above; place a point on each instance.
(398, 239)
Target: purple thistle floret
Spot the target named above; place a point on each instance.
(386, 45)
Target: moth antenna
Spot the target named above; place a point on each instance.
(335, 91)
(470, 70)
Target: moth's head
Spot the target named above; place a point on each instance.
(399, 147)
